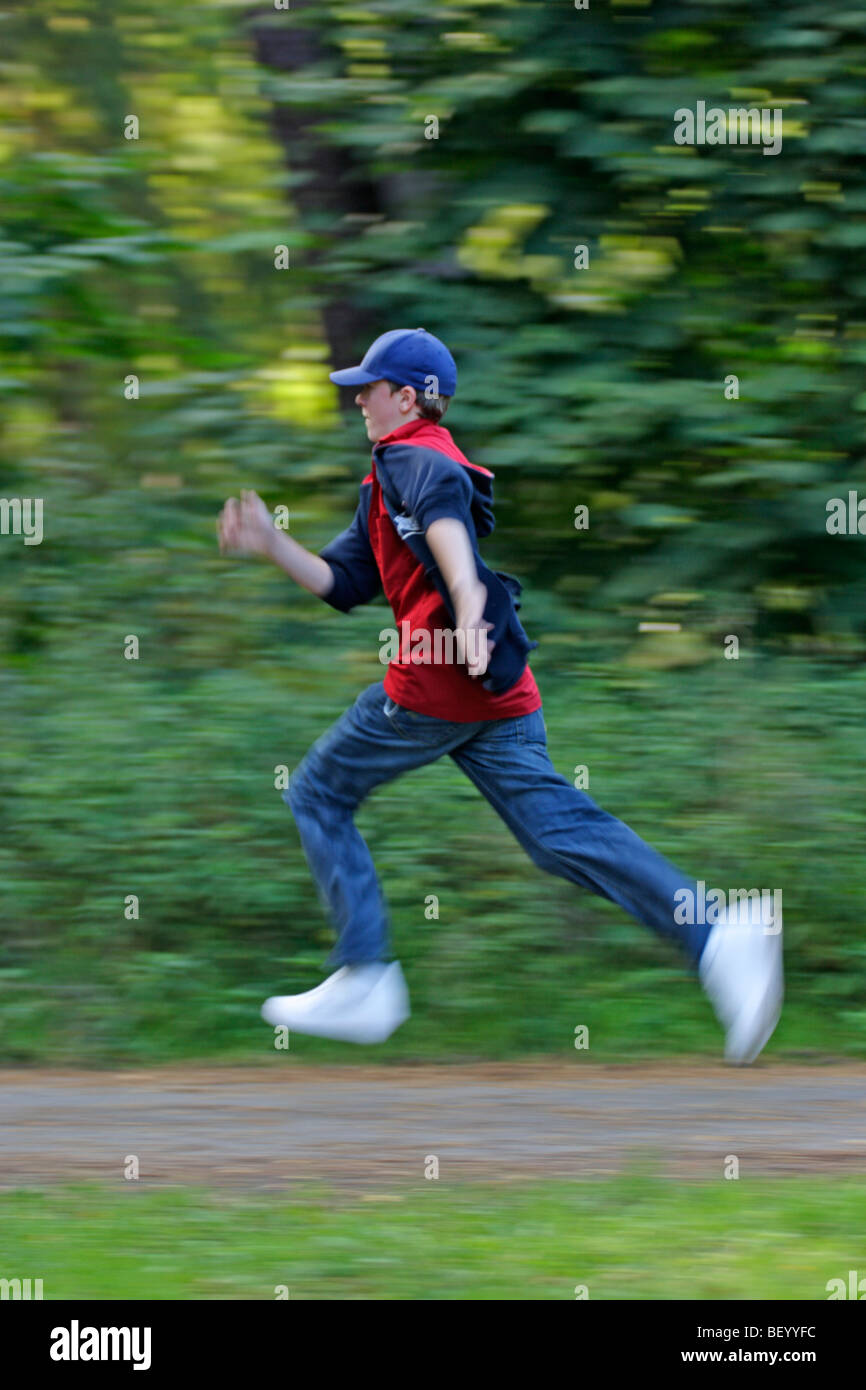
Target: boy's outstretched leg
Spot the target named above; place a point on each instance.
(366, 999)
(739, 960)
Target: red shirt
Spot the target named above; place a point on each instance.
(443, 689)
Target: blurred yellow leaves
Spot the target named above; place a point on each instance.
(664, 650)
(491, 247)
(618, 266)
(295, 389)
(621, 266)
(473, 40)
(67, 23)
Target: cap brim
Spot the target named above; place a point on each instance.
(352, 376)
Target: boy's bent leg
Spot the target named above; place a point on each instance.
(364, 749)
(566, 833)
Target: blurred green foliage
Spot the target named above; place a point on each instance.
(601, 387)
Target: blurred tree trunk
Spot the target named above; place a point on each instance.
(333, 190)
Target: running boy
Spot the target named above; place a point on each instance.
(423, 508)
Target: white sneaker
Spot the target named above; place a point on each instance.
(358, 1003)
(741, 971)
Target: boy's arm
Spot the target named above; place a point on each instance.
(352, 562)
(247, 527)
(438, 495)
(344, 574)
(451, 548)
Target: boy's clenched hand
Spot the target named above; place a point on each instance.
(469, 619)
(245, 527)
(451, 547)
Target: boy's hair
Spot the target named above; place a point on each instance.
(429, 407)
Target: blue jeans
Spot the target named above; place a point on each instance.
(560, 828)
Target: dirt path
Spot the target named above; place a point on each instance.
(375, 1126)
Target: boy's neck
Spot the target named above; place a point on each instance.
(408, 428)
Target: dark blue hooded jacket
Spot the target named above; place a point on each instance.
(424, 476)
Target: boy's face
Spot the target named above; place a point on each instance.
(383, 412)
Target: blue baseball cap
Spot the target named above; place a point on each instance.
(409, 356)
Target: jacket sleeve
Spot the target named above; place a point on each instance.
(356, 574)
(433, 486)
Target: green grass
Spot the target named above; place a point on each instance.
(636, 1236)
(746, 774)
